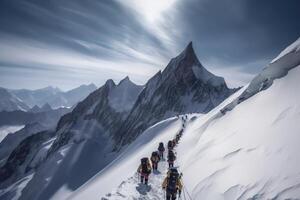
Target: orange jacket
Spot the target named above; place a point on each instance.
(179, 184)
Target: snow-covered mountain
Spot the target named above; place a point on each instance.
(184, 86)
(96, 125)
(54, 96)
(10, 102)
(237, 150)
(32, 123)
(250, 151)
(86, 128)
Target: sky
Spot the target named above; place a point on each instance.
(66, 43)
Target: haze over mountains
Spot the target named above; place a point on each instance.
(44, 106)
(94, 149)
(97, 125)
(245, 148)
(9, 102)
(23, 99)
(53, 96)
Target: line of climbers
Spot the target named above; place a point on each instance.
(172, 184)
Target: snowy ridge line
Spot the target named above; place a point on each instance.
(287, 60)
(127, 189)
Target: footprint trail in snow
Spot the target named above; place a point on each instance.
(131, 189)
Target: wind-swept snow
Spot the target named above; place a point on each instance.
(278, 68)
(251, 152)
(125, 166)
(293, 48)
(132, 189)
(248, 153)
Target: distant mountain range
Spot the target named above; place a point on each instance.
(34, 100)
(53, 96)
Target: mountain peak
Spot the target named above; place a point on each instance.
(126, 80)
(186, 66)
(92, 85)
(189, 52)
(110, 83)
(189, 47)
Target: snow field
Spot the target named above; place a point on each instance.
(123, 168)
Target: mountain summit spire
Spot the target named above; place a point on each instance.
(189, 51)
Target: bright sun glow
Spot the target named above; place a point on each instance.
(152, 9)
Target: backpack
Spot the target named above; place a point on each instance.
(161, 147)
(144, 163)
(154, 154)
(155, 157)
(171, 156)
(173, 179)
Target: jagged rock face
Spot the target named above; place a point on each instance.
(97, 106)
(184, 86)
(18, 163)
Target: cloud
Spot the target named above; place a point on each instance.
(92, 41)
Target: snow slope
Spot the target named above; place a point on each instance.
(83, 141)
(245, 148)
(251, 151)
(118, 180)
(125, 166)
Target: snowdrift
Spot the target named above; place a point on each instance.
(126, 164)
(250, 153)
(246, 148)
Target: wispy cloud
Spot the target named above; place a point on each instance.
(66, 43)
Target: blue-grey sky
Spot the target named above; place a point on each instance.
(66, 43)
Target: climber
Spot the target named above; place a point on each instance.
(180, 132)
(170, 145)
(155, 159)
(161, 150)
(182, 119)
(172, 184)
(174, 142)
(171, 158)
(178, 138)
(144, 170)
